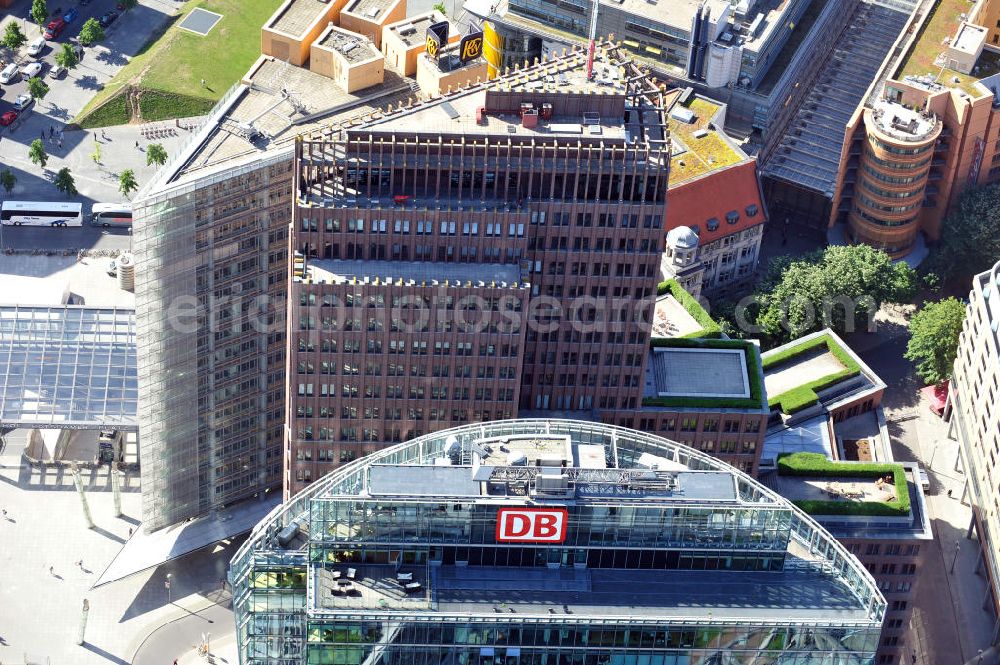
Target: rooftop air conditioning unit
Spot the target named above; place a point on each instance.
(407, 29)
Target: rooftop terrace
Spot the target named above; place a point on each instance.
(926, 55)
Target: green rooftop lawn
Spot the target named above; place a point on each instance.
(705, 154)
(167, 72)
(942, 24)
(816, 465)
(804, 396)
(756, 378)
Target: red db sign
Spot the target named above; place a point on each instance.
(531, 525)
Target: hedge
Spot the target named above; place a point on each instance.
(753, 370)
(816, 465)
(804, 396)
(709, 328)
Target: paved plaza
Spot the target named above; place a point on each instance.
(42, 587)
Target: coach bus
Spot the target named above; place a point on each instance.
(37, 213)
(111, 214)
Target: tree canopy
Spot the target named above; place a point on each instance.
(66, 57)
(934, 332)
(970, 236)
(39, 12)
(156, 154)
(839, 287)
(37, 154)
(91, 32)
(64, 182)
(37, 88)
(127, 183)
(8, 180)
(13, 37)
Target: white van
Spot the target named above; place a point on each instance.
(10, 74)
(36, 47)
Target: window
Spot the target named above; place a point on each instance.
(696, 228)
(751, 210)
(713, 224)
(732, 217)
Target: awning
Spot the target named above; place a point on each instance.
(653, 49)
(630, 43)
(936, 396)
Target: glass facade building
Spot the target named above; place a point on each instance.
(547, 542)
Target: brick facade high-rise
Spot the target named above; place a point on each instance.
(535, 202)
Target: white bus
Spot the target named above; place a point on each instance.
(111, 214)
(36, 213)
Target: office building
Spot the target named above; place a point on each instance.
(541, 184)
(926, 133)
(212, 243)
(974, 411)
(536, 541)
(826, 413)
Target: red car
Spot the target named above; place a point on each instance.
(8, 118)
(54, 28)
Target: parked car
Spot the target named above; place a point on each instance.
(8, 118)
(71, 15)
(57, 72)
(23, 102)
(10, 74)
(33, 69)
(36, 47)
(107, 19)
(55, 28)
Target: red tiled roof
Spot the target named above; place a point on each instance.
(713, 195)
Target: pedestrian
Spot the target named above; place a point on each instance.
(137, 145)
(5, 513)
(130, 532)
(52, 130)
(60, 143)
(52, 571)
(949, 495)
(103, 135)
(79, 564)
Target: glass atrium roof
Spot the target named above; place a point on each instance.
(67, 367)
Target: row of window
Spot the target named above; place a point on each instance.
(888, 193)
(900, 150)
(400, 347)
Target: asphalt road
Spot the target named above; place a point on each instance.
(58, 239)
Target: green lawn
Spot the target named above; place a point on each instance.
(804, 396)
(942, 24)
(816, 465)
(754, 375)
(168, 71)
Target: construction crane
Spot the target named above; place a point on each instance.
(593, 42)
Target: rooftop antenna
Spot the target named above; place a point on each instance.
(593, 39)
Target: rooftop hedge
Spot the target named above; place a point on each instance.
(709, 328)
(754, 375)
(804, 396)
(816, 465)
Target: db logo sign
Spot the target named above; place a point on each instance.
(531, 525)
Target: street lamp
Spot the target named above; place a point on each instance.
(958, 547)
(166, 583)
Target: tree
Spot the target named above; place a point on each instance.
(934, 332)
(970, 236)
(13, 37)
(127, 183)
(155, 154)
(37, 88)
(91, 32)
(66, 57)
(840, 287)
(96, 155)
(64, 182)
(39, 12)
(37, 153)
(440, 8)
(7, 180)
